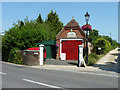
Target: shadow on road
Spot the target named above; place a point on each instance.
(111, 66)
(115, 54)
(119, 49)
(73, 63)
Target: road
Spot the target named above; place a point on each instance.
(25, 77)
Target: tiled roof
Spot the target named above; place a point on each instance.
(72, 23)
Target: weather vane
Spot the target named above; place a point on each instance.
(73, 17)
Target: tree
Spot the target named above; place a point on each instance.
(108, 38)
(104, 44)
(19, 24)
(53, 20)
(39, 19)
(94, 35)
(114, 44)
(119, 45)
(25, 37)
(25, 34)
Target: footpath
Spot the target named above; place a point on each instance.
(108, 63)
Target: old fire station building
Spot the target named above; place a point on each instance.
(68, 41)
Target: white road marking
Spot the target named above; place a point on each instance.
(2, 73)
(51, 86)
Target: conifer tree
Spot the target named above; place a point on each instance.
(39, 19)
(53, 20)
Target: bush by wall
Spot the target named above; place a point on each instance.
(15, 56)
(104, 44)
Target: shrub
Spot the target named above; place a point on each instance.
(24, 37)
(104, 44)
(15, 56)
(92, 59)
(93, 35)
(114, 44)
(25, 34)
(119, 45)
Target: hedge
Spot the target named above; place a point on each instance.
(15, 56)
(92, 59)
(104, 44)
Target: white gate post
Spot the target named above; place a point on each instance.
(81, 59)
(41, 55)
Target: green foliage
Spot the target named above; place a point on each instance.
(104, 44)
(19, 24)
(39, 19)
(94, 35)
(53, 20)
(25, 34)
(113, 42)
(119, 45)
(15, 56)
(92, 59)
(108, 38)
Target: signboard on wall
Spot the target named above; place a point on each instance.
(71, 34)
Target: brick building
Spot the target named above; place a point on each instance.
(68, 40)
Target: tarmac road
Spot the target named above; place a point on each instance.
(14, 76)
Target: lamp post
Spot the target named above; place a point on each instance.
(87, 18)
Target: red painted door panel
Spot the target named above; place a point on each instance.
(70, 47)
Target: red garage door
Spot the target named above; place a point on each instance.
(70, 47)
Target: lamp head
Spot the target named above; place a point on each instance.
(87, 16)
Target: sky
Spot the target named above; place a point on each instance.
(103, 15)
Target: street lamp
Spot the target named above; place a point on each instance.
(87, 18)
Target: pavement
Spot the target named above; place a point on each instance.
(107, 64)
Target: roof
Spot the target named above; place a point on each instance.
(51, 42)
(72, 23)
